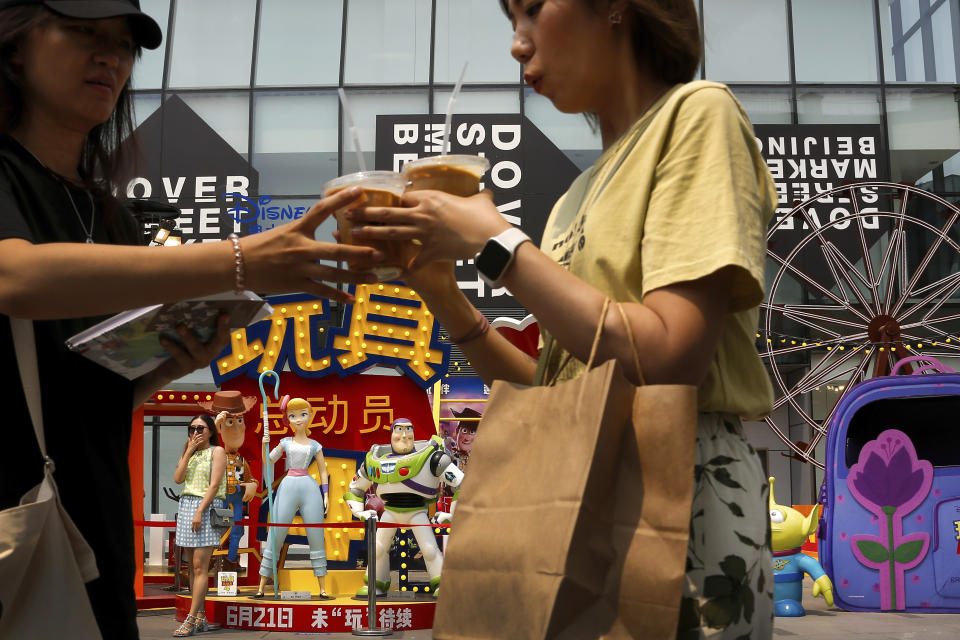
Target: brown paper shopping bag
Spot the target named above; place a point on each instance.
(573, 519)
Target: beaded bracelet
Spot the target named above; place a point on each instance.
(477, 331)
(237, 264)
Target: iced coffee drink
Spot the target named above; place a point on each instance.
(458, 175)
(380, 189)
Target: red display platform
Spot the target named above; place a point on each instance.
(396, 611)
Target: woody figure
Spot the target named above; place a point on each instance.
(229, 407)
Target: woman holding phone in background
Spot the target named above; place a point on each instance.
(201, 469)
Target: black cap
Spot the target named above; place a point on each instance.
(146, 31)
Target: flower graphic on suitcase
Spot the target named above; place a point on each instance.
(890, 482)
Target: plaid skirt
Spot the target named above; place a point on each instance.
(186, 536)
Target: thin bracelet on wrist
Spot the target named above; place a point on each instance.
(238, 265)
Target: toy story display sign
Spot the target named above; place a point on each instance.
(388, 325)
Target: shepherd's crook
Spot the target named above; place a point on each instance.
(268, 468)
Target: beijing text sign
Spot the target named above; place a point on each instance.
(806, 160)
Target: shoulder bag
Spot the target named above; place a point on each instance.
(44, 560)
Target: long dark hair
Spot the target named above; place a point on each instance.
(665, 36)
(100, 165)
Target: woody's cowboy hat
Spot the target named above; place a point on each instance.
(468, 412)
(230, 401)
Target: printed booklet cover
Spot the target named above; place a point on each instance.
(128, 343)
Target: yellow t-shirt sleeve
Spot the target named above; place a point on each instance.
(711, 203)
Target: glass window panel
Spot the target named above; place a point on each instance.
(745, 40)
(919, 47)
(227, 113)
(172, 436)
(148, 72)
(212, 43)
(569, 131)
(765, 107)
(841, 48)
(366, 106)
(388, 42)
(474, 31)
(909, 12)
(944, 51)
(886, 48)
(295, 142)
(475, 101)
(913, 57)
(144, 104)
(299, 43)
(840, 106)
(924, 131)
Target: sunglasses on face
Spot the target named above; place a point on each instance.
(192, 429)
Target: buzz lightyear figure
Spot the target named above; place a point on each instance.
(408, 474)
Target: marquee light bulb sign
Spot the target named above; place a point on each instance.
(388, 325)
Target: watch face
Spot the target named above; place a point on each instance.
(493, 260)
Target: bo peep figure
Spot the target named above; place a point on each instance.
(298, 490)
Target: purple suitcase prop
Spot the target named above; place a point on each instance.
(890, 530)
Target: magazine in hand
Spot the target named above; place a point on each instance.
(129, 342)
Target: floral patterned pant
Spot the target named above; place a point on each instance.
(728, 590)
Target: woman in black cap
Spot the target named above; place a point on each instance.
(66, 255)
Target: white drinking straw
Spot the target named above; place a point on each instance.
(352, 129)
(448, 122)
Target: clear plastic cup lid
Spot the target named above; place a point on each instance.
(476, 165)
(384, 180)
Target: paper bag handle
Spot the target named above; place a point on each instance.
(596, 344)
(633, 343)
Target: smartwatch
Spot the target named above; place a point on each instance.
(497, 255)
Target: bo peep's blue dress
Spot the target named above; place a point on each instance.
(300, 491)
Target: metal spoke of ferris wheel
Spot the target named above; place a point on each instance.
(924, 263)
(897, 259)
(804, 278)
(945, 292)
(799, 313)
(865, 249)
(838, 263)
(817, 376)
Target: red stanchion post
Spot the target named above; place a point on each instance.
(372, 628)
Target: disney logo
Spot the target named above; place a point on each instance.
(252, 210)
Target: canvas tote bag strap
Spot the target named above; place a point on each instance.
(26, 350)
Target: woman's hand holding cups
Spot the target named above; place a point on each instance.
(288, 258)
(448, 227)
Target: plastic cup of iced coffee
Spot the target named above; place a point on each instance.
(380, 189)
(458, 175)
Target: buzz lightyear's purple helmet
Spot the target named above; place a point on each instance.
(400, 422)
